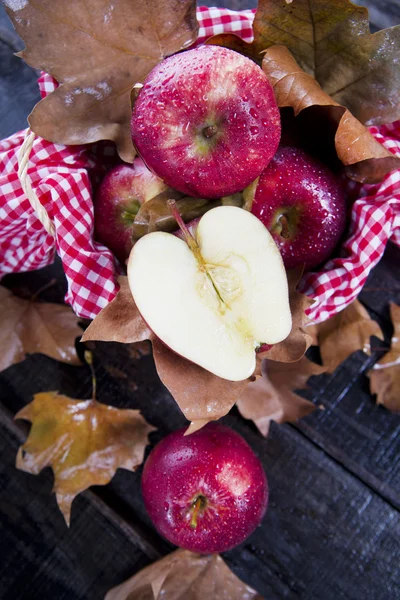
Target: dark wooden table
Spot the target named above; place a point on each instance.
(333, 527)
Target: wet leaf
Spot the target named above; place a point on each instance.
(384, 377)
(331, 41)
(184, 575)
(83, 441)
(27, 327)
(97, 51)
(272, 397)
(353, 142)
(345, 333)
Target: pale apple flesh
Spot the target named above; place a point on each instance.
(217, 304)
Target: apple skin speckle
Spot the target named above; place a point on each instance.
(310, 198)
(206, 121)
(216, 468)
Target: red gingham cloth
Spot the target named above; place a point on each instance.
(61, 177)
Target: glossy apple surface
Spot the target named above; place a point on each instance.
(206, 121)
(117, 201)
(216, 299)
(301, 202)
(205, 492)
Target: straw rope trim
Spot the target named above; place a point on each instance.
(23, 164)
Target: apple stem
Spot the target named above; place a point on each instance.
(198, 505)
(284, 223)
(189, 239)
(89, 360)
(193, 245)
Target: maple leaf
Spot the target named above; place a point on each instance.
(97, 51)
(384, 376)
(345, 333)
(27, 327)
(184, 575)
(83, 441)
(271, 397)
(332, 42)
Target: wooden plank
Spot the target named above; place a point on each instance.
(362, 436)
(40, 557)
(382, 14)
(326, 534)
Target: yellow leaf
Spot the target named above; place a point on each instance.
(83, 441)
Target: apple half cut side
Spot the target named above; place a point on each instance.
(217, 299)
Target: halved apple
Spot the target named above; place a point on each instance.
(217, 296)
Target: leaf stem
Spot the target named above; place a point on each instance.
(89, 360)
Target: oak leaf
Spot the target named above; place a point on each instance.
(331, 41)
(345, 333)
(97, 51)
(27, 327)
(271, 397)
(384, 376)
(184, 575)
(83, 441)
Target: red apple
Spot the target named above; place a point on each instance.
(205, 492)
(302, 204)
(206, 121)
(117, 202)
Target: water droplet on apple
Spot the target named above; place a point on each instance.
(254, 113)
(166, 506)
(253, 130)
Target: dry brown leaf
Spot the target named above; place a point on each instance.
(119, 321)
(384, 376)
(97, 50)
(83, 441)
(345, 333)
(271, 397)
(332, 42)
(201, 396)
(298, 341)
(184, 575)
(353, 142)
(27, 327)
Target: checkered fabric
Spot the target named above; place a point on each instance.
(62, 176)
